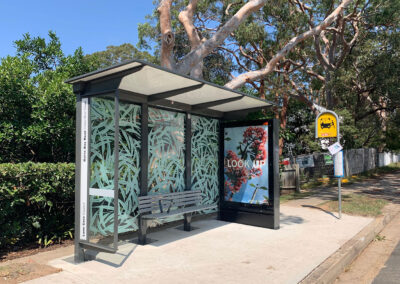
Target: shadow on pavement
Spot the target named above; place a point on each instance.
(290, 220)
(318, 208)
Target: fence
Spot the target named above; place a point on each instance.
(318, 165)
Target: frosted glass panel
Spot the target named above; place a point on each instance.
(205, 152)
(166, 151)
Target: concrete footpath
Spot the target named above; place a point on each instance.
(220, 252)
(311, 246)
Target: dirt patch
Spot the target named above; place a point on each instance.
(18, 252)
(20, 272)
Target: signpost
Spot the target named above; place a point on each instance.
(327, 126)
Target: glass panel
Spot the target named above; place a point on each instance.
(166, 151)
(129, 166)
(205, 150)
(101, 210)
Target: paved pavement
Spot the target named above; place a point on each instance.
(221, 252)
(391, 272)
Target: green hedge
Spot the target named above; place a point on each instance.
(36, 203)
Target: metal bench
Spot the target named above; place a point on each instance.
(161, 206)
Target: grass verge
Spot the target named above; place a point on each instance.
(357, 204)
(374, 173)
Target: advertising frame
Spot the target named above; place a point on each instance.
(261, 215)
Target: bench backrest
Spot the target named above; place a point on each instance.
(163, 202)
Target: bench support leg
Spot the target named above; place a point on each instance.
(187, 218)
(142, 231)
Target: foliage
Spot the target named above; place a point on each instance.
(117, 54)
(36, 203)
(217, 65)
(361, 46)
(37, 109)
(368, 89)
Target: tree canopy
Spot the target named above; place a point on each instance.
(37, 109)
(309, 51)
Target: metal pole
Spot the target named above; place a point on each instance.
(340, 179)
(340, 197)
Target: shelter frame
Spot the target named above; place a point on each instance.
(116, 83)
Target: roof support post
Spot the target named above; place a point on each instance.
(116, 168)
(188, 152)
(144, 153)
(78, 253)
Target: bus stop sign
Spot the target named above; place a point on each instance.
(327, 125)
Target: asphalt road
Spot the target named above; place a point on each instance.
(390, 273)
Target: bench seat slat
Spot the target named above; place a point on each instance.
(149, 201)
(156, 207)
(155, 203)
(170, 193)
(179, 211)
(167, 195)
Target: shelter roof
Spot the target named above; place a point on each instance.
(143, 82)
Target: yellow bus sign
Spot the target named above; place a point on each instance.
(327, 125)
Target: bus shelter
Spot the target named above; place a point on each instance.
(142, 130)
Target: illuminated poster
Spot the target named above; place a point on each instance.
(246, 164)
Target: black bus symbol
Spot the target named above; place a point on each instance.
(325, 124)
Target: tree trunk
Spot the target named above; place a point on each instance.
(198, 54)
(186, 18)
(328, 91)
(167, 36)
(283, 120)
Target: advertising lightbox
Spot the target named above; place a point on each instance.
(249, 173)
(246, 164)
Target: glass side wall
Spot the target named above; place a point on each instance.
(166, 151)
(166, 168)
(205, 151)
(101, 191)
(129, 166)
(102, 160)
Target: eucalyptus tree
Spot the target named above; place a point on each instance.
(266, 43)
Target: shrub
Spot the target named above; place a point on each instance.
(36, 203)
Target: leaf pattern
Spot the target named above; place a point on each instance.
(166, 151)
(101, 209)
(205, 164)
(166, 168)
(102, 165)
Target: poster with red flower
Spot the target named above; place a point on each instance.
(246, 164)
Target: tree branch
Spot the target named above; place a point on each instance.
(195, 56)
(270, 67)
(186, 18)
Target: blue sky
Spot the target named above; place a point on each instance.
(87, 23)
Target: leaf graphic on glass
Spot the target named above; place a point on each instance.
(204, 155)
(166, 151)
(102, 165)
